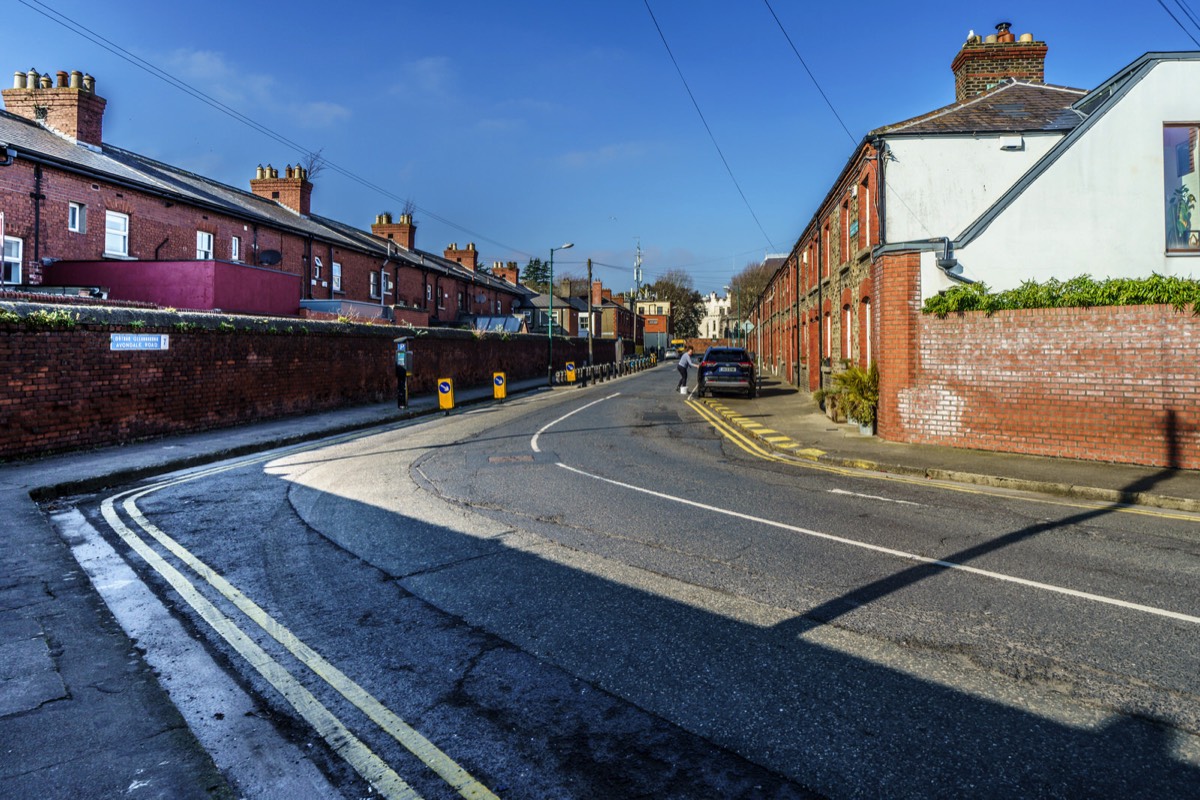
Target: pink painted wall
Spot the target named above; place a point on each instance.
(199, 285)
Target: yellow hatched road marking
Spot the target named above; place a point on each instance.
(866, 469)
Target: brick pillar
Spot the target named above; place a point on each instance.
(896, 279)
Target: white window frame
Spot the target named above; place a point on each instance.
(10, 265)
(374, 278)
(336, 276)
(204, 246)
(317, 268)
(235, 248)
(76, 217)
(116, 234)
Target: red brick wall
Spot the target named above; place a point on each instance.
(1117, 384)
(896, 281)
(66, 389)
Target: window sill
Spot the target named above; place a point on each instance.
(118, 257)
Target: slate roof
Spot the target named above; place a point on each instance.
(1012, 107)
(115, 164)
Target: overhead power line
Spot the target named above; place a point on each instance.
(713, 138)
(811, 77)
(1187, 13)
(81, 30)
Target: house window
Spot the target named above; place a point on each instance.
(498, 311)
(374, 276)
(428, 294)
(847, 349)
(13, 253)
(235, 249)
(1182, 186)
(116, 234)
(204, 246)
(77, 218)
(462, 305)
(336, 271)
(317, 264)
(864, 212)
(865, 312)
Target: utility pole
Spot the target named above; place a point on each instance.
(591, 319)
(637, 269)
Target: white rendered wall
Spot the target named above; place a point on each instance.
(938, 186)
(1099, 208)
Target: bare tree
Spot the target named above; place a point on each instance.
(314, 163)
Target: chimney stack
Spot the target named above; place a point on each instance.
(506, 272)
(70, 107)
(465, 257)
(403, 233)
(293, 191)
(983, 64)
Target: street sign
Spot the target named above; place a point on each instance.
(139, 341)
(570, 368)
(445, 394)
(499, 386)
(747, 326)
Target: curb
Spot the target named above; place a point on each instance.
(783, 445)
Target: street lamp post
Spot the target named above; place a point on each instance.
(550, 316)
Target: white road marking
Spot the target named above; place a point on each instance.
(950, 565)
(874, 497)
(377, 772)
(534, 441)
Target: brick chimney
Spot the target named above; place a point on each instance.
(292, 191)
(983, 63)
(465, 257)
(69, 106)
(597, 293)
(403, 233)
(506, 272)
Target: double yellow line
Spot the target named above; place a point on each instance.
(372, 768)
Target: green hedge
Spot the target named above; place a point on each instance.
(1081, 292)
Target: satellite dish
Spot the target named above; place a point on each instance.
(270, 257)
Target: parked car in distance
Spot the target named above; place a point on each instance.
(726, 369)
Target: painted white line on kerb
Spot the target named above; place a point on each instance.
(999, 576)
(534, 441)
(873, 497)
(322, 720)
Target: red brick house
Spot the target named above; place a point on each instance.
(1015, 180)
(79, 212)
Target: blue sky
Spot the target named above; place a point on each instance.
(522, 125)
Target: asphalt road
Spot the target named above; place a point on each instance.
(597, 594)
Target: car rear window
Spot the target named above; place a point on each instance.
(726, 355)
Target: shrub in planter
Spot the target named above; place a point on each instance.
(859, 392)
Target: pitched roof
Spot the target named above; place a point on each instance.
(112, 163)
(1012, 107)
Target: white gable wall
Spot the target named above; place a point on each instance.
(938, 185)
(1098, 209)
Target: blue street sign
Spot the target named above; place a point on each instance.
(444, 387)
(499, 379)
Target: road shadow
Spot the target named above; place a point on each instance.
(799, 696)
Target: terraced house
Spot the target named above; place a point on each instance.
(81, 215)
(1015, 180)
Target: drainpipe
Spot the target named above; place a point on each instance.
(37, 197)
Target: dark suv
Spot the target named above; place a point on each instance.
(726, 369)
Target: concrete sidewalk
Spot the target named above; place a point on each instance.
(81, 713)
(788, 421)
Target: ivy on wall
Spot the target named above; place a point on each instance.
(1081, 292)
